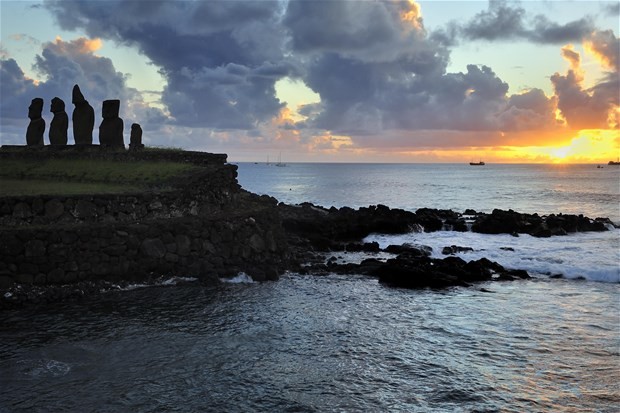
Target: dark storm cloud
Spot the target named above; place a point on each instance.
(17, 91)
(363, 29)
(407, 89)
(374, 65)
(221, 59)
(504, 21)
(612, 9)
(64, 64)
(500, 21)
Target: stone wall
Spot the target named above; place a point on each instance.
(206, 227)
(205, 248)
(204, 193)
(113, 154)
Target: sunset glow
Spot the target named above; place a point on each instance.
(338, 81)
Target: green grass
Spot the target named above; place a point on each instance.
(83, 170)
(16, 187)
(81, 176)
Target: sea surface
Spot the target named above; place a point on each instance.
(347, 343)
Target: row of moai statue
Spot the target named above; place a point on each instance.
(110, 130)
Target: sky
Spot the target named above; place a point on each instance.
(326, 80)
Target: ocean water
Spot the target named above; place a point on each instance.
(347, 343)
(542, 189)
(532, 188)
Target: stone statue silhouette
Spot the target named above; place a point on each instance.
(135, 140)
(111, 128)
(36, 127)
(83, 118)
(60, 123)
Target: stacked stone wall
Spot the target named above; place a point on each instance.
(202, 226)
(204, 248)
(203, 194)
(112, 154)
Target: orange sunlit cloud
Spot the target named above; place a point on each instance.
(412, 15)
(603, 46)
(82, 44)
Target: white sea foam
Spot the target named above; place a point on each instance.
(38, 368)
(594, 256)
(241, 278)
(159, 282)
(178, 280)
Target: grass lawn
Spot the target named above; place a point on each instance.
(19, 187)
(81, 176)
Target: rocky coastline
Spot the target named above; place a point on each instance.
(311, 232)
(209, 228)
(315, 231)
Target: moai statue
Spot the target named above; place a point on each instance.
(135, 140)
(83, 118)
(60, 123)
(36, 128)
(111, 128)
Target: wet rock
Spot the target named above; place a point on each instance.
(405, 272)
(416, 251)
(454, 249)
(511, 222)
(365, 247)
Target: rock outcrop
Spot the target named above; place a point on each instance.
(512, 222)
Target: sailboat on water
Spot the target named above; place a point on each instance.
(280, 160)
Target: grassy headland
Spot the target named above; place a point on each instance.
(86, 176)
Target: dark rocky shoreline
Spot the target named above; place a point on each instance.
(312, 228)
(204, 225)
(312, 231)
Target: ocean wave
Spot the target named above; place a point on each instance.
(241, 278)
(164, 281)
(594, 256)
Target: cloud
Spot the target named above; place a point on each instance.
(503, 21)
(605, 46)
(220, 59)
(380, 73)
(62, 64)
(367, 31)
(592, 108)
(612, 9)
(407, 89)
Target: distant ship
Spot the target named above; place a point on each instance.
(477, 163)
(280, 160)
